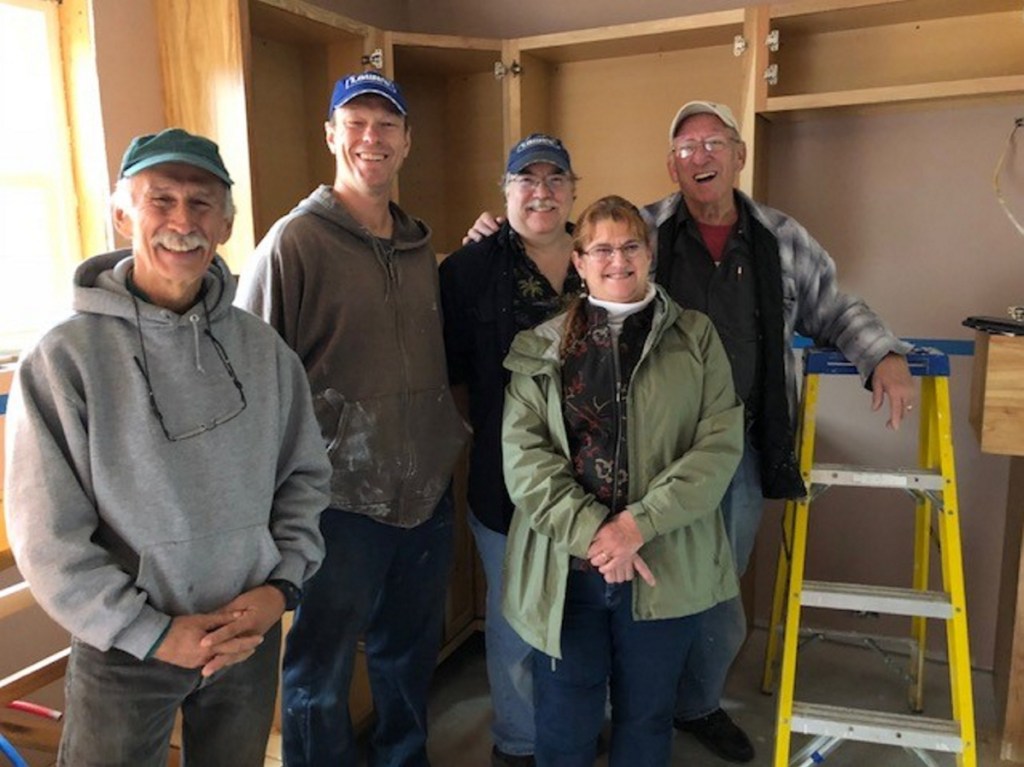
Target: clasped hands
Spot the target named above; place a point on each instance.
(230, 635)
(613, 552)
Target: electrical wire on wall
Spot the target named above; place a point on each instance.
(1017, 312)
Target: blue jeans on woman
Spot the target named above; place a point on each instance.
(509, 658)
(605, 650)
(387, 585)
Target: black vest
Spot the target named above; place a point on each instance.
(772, 426)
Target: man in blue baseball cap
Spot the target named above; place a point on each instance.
(514, 279)
(350, 281)
(163, 490)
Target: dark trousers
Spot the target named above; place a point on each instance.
(120, 710)
(604, 650)
(385, 584)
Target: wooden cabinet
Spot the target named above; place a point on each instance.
(894, 51)
(256, 77)
(455, 106)
(610, 94)
(997, 393)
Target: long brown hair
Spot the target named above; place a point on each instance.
(610, 208)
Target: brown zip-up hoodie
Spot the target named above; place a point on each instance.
(363, 315)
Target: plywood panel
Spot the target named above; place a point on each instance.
(301, 23)
(936, 50)
(614, 115)
(280, 156)
(296, 55)
(425, 179)
(475, 151)
(695, 31)
(203, 60)
(997, 394)
(536, 112)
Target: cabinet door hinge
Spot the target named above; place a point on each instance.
(375, 59)
(500, 70)
(772, 41)
(771, 74)
(739, 45)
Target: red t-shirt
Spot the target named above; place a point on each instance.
(715, 236)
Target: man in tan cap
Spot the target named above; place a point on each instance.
(761, 277)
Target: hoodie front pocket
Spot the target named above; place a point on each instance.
(332, 413)
(203, 574)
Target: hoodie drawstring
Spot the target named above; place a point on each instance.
(194, 319)
(385, 255)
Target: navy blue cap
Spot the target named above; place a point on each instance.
(538, 147)
(347, 88)
(173, 145)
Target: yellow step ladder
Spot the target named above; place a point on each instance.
(933, 485)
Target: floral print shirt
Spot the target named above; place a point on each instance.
(595, 378)
(534, 300)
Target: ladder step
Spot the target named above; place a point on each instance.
(834, 474)
(879, 599)
(877, 727)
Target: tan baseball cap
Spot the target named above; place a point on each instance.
(690, 108)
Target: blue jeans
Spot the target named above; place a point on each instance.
(387, 585)
(723, 628)
(509, 658)
(120, 710)
(604, 649)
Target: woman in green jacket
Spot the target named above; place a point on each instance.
(621, 432)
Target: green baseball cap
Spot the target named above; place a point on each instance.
(173, 145)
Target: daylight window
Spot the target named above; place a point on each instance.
(39, 246)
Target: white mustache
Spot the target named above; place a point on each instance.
(180, 242)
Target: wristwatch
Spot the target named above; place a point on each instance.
(292, 593)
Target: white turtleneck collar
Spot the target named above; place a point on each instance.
(617, 312)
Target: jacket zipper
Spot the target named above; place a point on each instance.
(618, 424)
(391, 269)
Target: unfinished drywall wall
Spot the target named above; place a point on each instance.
(904, 203)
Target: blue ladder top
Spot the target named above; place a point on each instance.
(922, 361)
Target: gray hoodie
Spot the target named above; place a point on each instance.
(363, 315)
(117, 529)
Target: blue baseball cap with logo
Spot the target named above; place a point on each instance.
(538, 147)
(351, 86)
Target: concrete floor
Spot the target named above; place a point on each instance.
(460, 707)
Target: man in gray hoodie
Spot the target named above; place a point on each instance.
(164, 480)
(350, 282)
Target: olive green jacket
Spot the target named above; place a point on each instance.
(684, 442)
